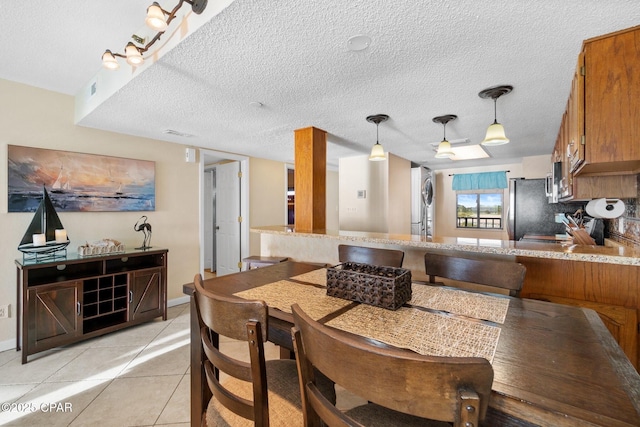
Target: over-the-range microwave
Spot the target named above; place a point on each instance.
(552, 184)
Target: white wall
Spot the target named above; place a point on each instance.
(39, 118)
(332, 219)
(268, 198)
(386, 206)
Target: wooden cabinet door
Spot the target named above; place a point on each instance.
(575, 110)
(612, 103)
(566, 184)
(147, 295)
(54, 315)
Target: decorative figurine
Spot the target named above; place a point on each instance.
(45, 238)
(145, 227)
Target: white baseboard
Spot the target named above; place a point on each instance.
(177, 301)
(8, 345)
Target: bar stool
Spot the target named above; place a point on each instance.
(262, 261)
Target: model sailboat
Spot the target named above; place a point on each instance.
(45, 222)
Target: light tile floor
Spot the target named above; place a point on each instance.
(138, 376)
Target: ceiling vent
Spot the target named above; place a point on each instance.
(176, 133)
(452, 142)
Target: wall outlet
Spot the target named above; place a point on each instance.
(4, 311)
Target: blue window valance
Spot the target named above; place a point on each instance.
(479, 181)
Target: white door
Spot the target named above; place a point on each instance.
(228, 251)
(209, 220)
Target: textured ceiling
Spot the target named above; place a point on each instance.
(426, 58)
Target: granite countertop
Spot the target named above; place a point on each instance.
(588, 253)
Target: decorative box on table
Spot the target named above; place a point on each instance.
(386, 287)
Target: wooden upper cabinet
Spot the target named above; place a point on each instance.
(598, 137)
(611, 104)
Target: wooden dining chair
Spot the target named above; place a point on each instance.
(259, 393)
(373, 256)
(402, 387)
(507, 275)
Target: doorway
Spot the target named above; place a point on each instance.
(224, 206)
(291, 195)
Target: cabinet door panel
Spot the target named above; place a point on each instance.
(147, 298)
(576, 117)
(612, 93)
(54, 318)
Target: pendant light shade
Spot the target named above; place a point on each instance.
(155, 18)
(444, 148)
(377, 151)
(134, 57)
(495, 133)
(109, 61)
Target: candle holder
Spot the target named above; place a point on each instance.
(45, 238)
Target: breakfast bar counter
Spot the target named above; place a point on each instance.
(600, 254)
(605, 279)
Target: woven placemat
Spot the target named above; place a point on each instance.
(317, 277)
(284, 293)
(470, 304)
(426, 333)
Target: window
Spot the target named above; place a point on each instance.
(479, 210)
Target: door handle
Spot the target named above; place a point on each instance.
(78, 308)
(130, 297)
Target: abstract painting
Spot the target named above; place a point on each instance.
(78, 182)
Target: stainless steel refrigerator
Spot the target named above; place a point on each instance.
(530, 211)
(422, 201)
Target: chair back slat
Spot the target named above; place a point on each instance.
(241, 320)
(373, 256)
(424, 386)
(490, 272)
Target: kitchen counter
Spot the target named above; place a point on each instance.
(562, 251)
(603, 278)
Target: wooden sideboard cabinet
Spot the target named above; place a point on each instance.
(70, 299)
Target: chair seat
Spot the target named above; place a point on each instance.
(284, 398)
(372, 415)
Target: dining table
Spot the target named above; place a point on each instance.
(554, 365)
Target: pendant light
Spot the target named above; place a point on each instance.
(495, 132)
(444, 148)
(377, 152)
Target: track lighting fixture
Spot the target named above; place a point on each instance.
(157, 22)
(377, 152)
(495, 132)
